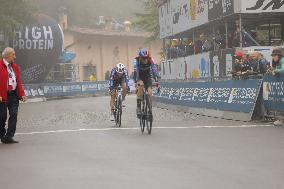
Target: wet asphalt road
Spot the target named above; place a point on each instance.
(72, 144)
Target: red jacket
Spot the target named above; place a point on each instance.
(4, 81)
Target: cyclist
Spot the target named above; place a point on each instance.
(144, 71)
(118, 76)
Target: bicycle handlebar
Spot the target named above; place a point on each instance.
(156, 84)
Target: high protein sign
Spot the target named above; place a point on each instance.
(34, 38)
(38, 47)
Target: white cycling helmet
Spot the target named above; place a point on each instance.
(120, 68)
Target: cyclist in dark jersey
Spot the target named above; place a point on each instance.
(145, 71)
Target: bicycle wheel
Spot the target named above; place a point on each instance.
(148, 115)
(142, 118)
(118, 112)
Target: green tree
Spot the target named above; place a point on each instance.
(14, 14)
(149, 20)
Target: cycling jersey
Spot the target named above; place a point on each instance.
(145, 72)
(116, 79)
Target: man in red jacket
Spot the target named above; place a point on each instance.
(11, 91)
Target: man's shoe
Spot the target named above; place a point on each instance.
(123, 104)
(10, 140)
(111, 118)
(278, 123)
(3, 140)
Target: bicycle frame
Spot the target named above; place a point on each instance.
(147, 116)
(118, 106)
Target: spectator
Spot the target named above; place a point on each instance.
(276, 69)
(246, 57)
(236, 36)
(180, 48)
(241, 68)
(189, 47)
(258, 63)
(264, 64)
(174, 43)
(11, 90)
(107, 74)
(93, 78)
(173, 49)
(218, 41)
(177, 49)
(198, 44)
(206, 43)
(277, 62)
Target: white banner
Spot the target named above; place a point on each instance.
(178, 16)
(198, 66)
(165, 17)
(258, 6)
(191, 67)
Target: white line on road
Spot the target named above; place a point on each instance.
(112, 129)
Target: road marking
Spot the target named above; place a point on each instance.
(113, 129)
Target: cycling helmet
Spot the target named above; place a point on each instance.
(120, 68)
(144, 53)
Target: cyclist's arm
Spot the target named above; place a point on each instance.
(126, 78)
(111, 79)
(154, 70)
(135, 65)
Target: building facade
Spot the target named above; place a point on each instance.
(98, 51)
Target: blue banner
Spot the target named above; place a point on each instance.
(33, 91)
(233, 95)
(273, 92)
(65, 89)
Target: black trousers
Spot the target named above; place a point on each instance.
(12, 105)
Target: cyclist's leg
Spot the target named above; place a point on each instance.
(112, 100)
(148, 85)
(112, 104)
(123, 87)
(113, 95)
(140, 88)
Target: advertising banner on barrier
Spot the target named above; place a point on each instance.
(33, 91)
(65, 89)
(258, 6)
(220, 8)
(198, 66)
(273, 92)
(233, 95)
(190, 67)
(221, 62)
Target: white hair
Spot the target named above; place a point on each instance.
(7, 51)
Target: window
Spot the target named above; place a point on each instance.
(87, 71)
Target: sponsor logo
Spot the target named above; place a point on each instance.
(266, 4)
(34, 38)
